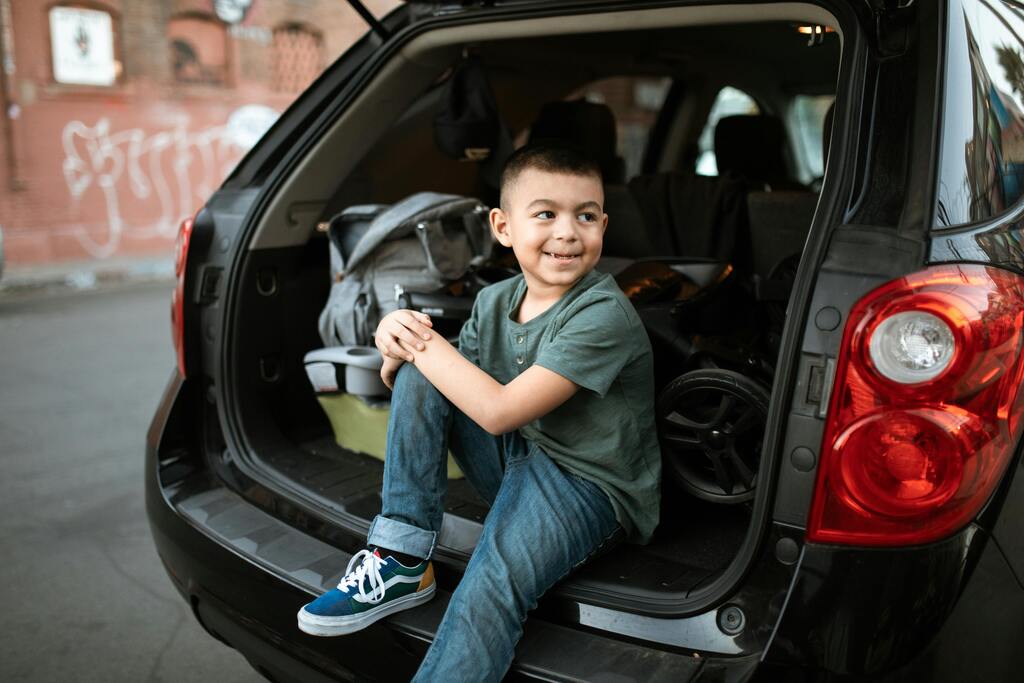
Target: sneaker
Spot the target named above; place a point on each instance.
(372, 588)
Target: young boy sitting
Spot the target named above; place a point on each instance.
(547, 405)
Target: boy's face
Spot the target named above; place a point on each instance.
(555, 224)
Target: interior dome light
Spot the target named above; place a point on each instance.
(808, 30)
(912, 347)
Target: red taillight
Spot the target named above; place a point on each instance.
(178, 295)
(906, 461)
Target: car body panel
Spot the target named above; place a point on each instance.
(949, 612)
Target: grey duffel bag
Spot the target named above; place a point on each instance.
(380, 252)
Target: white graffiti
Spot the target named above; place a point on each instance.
(150, 181)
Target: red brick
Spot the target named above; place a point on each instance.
(149, 118)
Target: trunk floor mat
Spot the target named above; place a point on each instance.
(694, 541)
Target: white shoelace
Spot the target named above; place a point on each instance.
(367, 566)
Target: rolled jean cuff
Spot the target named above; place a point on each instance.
(401, 537)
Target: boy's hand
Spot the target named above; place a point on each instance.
(389, 371)
(410, 327)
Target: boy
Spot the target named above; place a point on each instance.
(547, 406)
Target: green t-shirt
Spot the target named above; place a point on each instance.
(592, 336)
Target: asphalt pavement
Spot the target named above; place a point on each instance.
(84, 596)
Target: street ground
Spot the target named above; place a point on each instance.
(84, 595)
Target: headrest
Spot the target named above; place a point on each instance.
(826, 133)
(752, 146)
(589, 126)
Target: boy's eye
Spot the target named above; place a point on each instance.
(587, 217)
(546, 215)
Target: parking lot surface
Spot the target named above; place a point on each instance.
(85, 597)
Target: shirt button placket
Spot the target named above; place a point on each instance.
(520, 340)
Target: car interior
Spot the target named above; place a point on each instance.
(711, 126)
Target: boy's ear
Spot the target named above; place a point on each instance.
(499, 227)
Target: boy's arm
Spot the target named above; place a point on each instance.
(496, 407)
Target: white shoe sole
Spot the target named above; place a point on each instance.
(338, 626)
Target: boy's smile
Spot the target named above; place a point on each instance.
(555, 224)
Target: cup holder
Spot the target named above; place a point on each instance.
(359, 365)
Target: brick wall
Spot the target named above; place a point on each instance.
(92, 172)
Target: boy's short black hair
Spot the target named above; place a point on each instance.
(550, 156)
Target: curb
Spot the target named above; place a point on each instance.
(84, 276)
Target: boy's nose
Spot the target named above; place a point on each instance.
(564, 230)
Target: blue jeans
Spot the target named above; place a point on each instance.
(543, 522)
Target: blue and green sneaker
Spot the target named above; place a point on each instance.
(372, 588)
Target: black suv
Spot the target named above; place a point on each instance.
(839, 406)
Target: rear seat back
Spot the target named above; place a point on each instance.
(779, 223)
(779, 208)
(678, 215)
(627, 235)
(688, 215)
(657, 215)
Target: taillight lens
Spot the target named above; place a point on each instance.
(926, 407)
(178, 295)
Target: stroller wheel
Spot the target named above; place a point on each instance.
(711, 424)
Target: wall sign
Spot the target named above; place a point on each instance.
(83, 46)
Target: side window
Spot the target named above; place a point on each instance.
(807, 123)
(981, 167)
(728, 102)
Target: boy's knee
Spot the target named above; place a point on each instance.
(410, 381)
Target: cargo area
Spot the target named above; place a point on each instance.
(714, 166)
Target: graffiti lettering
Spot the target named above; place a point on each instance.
(149, 181)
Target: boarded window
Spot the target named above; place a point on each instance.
(198, 50)
(298, 57)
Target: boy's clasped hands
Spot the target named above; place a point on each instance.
(397, 335)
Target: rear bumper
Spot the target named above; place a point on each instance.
(246, 574)
(250, 600)
(266, 648)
